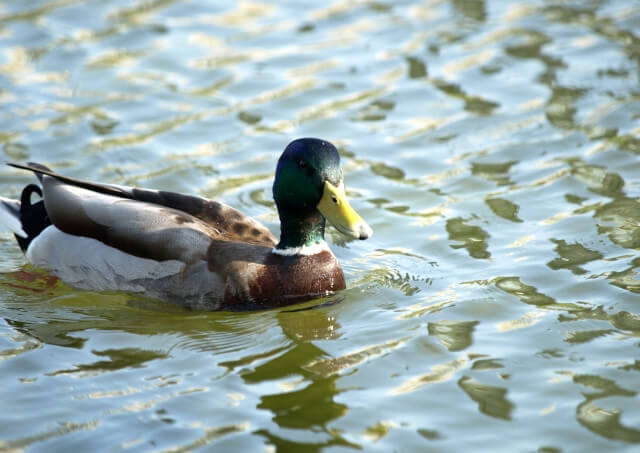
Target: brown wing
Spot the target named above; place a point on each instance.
(180, 212)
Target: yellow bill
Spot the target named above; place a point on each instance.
(335, 207)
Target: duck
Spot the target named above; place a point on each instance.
(186, 249)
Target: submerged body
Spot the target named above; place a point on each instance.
(188, 250)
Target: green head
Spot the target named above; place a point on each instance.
(308, 189)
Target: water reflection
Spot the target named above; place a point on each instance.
(417, 68)
(504, 208)
(571, 256)
(621, 222)
(114, 359)
(311, 407)
(561, 106)
(486, 364)
(210, 435)
(472, 9)
(620, 321)
(602, 421)
(439, 373)
(526, 293)
(311, 404)
(336, 365)
(598, 179)
(473, 238)
(54, 335)
(619, 219)
(454, 335)
(492, 401)
(375, 111)
(387, 171)
(629, 278)
(64, 428)
(67, 318)
(472, 104)
(624, 320)
(282, 444)
(306, 403)
(497, 172)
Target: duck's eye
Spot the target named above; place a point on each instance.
(302, 164)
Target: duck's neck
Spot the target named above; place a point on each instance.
(301, 230)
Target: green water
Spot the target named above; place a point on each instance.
(494, 148)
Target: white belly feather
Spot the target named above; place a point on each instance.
(87, 263)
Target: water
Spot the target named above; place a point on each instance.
(492, 146)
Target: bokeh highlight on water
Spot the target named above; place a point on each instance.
(493, 147)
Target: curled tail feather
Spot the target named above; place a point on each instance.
(25, 219)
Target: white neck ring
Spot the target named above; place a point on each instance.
(305, 250)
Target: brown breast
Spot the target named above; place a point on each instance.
(282, 280)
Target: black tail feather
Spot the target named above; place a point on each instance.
(33, 217)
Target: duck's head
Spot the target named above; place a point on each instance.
(309, 188)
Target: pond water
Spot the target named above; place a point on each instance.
(492, 145)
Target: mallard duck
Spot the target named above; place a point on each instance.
(186, 249)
